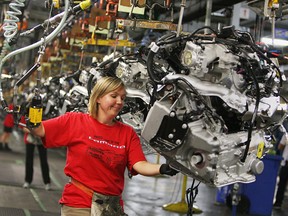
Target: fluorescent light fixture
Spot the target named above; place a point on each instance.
(282, 106)
(277, 42)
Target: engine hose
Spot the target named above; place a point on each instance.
(10, 26)
(154, 47)
(251, 125)
(150, 67)
(74, 75)
(261, 53)
(94, 75)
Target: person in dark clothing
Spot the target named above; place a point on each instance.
(31, 142)
(283, 174)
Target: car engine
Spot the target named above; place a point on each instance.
(219, 95)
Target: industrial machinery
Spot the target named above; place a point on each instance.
(219, 98)
(204, 101)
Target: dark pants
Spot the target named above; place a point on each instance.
(43, 162)
(283, 179)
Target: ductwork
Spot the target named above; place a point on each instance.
(197, 8)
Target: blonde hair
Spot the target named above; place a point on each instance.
(102, 87)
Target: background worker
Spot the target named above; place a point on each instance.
(31, 142)
(8, 125)
(283, 174)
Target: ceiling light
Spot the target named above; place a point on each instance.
(276, 42)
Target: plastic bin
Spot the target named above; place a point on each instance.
(222, 193)
(261, 192)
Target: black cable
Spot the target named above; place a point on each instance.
(259, 51)
(251, 124)
(191, 194)
(151, 68)
(200, 97)
(202, 28)
(168, 39)
(284, 98)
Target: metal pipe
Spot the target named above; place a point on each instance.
(198, 9)
(179, 26)
(273, 26)
(209, 4)
(51, 36)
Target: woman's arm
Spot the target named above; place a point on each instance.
(147, 169)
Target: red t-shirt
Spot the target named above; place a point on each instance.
(97, 154)
(9, 120)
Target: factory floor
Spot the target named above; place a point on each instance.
(143, 196)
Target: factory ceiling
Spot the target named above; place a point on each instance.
(194, 9)
(197, 8)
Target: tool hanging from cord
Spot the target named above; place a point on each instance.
(17, 111)
(63, 18)
(34, 118)
(35, 106)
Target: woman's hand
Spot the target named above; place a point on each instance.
(38, 131)
(167, 170)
